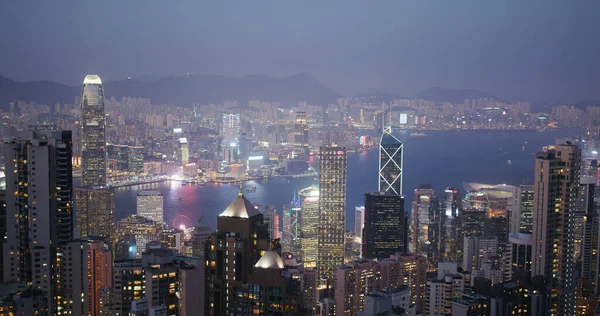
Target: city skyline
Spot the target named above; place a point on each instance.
(168, 192)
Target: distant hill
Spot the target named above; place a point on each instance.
(452, 96)
(183, 91)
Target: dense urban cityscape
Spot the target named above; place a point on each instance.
(484, 249)
(300, 158)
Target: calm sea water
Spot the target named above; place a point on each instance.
(440, 159)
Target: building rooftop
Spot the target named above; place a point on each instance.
(92, 79)
(240, 207)
(389, 139)
(270, 260)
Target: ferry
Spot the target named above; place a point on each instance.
(418, 134)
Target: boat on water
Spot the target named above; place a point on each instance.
(251, 189)
(418, 134)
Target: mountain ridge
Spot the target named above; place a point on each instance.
(181, 90)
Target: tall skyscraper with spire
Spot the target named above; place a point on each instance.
(390, 161)
(94, 202)
(556, 186)
(93, 136)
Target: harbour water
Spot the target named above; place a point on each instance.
(441, 159)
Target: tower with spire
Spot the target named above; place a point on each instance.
(391, 156)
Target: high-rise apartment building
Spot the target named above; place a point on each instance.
(150, 205)
(93, 137)
(448, 286)
(391, 155)
(231, 253)
(39, 211)
(555, 194)
(590, 245)
(142, 229)
(309, 199)
(352, 281)
(425, 224)
(88, 275)
(332, 207)
(385, 229)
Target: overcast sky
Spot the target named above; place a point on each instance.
(538, 50)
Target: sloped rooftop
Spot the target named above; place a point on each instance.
(240, 207)
(270, 260)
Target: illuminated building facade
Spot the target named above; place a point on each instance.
(142, 229)
(332, 207)
(301, 132)
(385, 229)
(555, 194)
(93, 138)
(272, 289)
(231, 253)
(150, 205)
(292, 228)
(231, 128)
(425, 225)
(39, 211)
(391, 155)
(89, 273)
(352, 281)
(309, 199)
(451, 214)
(271, 218)
(95, 211)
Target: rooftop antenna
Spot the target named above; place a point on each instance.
(390, 119)
(241, 194)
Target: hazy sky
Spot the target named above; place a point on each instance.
(540, 50)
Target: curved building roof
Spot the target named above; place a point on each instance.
(92, 79)
(270, 260)
(240, 207)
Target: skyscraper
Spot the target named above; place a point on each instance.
(150, 205)
(271, 218)
(359, 224)
(425, 224)
(39, 219)
(385, 229)
(590, 252)
(300, 130)
(309, 199)
(390, 163)
(449, 249)
(232, 252)
(292, 228)
(332, 208)
(555, 195)
(93, 138)
(94, 203)
(95, 209)
(231, 129)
